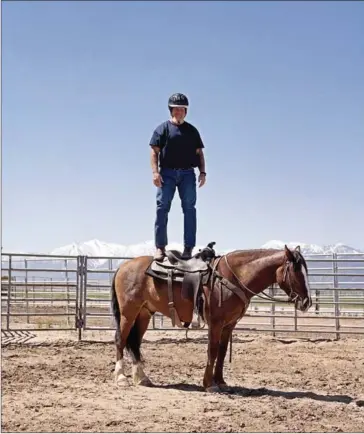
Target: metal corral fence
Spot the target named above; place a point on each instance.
(50, 292)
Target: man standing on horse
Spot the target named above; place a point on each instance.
(176, 149)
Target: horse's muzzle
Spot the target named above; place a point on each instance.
(303, 305)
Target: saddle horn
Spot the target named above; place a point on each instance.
(208, 252)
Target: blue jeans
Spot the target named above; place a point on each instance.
(185, 181)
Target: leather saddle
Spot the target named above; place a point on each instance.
(192, 273)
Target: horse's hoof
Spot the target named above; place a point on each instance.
(213, 389)
(145, 382)
(195, 323)
(122, 381)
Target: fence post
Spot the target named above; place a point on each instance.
(79, 310)
(84, 308)
(336, 296)
(77, 293)
(317, 301)
(9, 295)
(26, 289)
(67, 292)
(231, 348)
(273, 311)
(295, 319)
(110, 274)
(51, 280)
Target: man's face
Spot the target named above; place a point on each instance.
(179, 113)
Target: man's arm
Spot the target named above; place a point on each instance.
(156, 144)
(200, 153)
(157, 179)
(154, 153)
(201, 166)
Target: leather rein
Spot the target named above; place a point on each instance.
(239, 290)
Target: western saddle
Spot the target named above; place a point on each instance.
(192, 273)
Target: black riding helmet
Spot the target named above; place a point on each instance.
(178, 100)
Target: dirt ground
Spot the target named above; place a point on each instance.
(277, 385)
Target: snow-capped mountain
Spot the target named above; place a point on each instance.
(107, 256)
(313, 249)
(91, 248)
(98, 248)
(101, 250)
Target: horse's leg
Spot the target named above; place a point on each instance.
(213, 347)
(142, 322)
(121, 341)
(119, 371)
(224, 342)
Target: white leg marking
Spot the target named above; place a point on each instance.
(119, 373)
(139, 376)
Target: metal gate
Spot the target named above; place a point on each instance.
(96, 295)
(49, 292)
(337, 286)
(40, 292)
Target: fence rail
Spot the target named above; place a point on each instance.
(52, 292)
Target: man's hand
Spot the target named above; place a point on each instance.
(201, 166)
(201, 179)
(157, 179)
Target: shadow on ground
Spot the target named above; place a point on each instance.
(263, 391)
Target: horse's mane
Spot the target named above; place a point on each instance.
(250, 255)
(300, 259)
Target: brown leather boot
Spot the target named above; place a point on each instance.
(187, 253)
(159, 254)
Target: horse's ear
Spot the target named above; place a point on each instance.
(289, 254)
(298, 249)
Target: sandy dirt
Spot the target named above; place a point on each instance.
(277, 385)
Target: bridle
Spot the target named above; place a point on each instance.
(292, 297)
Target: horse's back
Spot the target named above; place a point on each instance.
(136, 262)
(133, 270)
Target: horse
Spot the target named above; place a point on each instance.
(234, 279)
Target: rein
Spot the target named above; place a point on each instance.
(292, 297)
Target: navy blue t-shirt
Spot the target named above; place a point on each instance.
(178, 144)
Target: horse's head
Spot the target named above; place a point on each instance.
(292, 277)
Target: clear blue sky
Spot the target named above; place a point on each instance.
(276, 90)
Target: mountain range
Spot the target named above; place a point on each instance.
(102, 255)
(96, 248)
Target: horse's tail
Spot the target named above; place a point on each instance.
(133, 340)
(115, 305)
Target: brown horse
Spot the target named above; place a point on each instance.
(235, 278)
